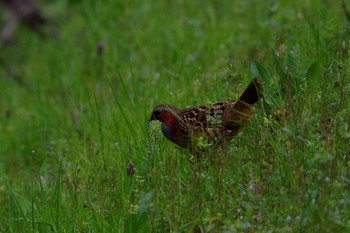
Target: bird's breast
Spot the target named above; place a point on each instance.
(176, 134)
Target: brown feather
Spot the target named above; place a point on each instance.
(214, 125)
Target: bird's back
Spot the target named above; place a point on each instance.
(204, 123)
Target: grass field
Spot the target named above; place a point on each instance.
(74, 111)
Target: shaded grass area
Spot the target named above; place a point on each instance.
(74, 110)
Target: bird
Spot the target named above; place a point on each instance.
(200, 127)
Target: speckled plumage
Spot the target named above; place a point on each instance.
(212, 124)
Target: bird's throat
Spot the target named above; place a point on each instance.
(169, 126)
(166, 130)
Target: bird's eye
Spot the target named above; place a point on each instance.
(157, 112)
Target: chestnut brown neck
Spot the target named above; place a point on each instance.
(167, 117)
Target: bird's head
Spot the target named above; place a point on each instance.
(164, 113)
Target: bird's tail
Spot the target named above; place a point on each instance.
(252, 93)
(241, 112)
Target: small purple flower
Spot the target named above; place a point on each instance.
(100, 47)
(130, 169)
(257, 217)
(8, 113)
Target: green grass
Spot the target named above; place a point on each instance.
(72, 120)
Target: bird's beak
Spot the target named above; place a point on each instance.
(152, 118)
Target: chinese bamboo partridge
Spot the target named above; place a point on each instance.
(214, 125)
